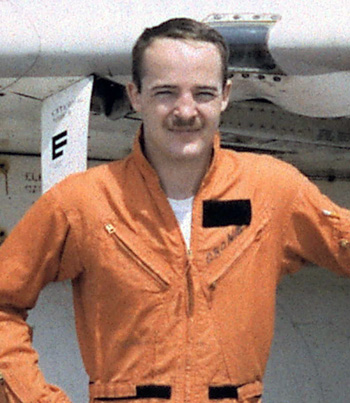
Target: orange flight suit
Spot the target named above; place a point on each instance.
(157, 322)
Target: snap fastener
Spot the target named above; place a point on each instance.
(344, 243)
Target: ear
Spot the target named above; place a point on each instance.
(134, 95)
(226, 95)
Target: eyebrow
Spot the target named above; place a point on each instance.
(172, 87)
(207, 87)
(163, 87)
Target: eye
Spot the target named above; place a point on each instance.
(204, 96)
(164, 93)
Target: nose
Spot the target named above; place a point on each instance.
(185, 106)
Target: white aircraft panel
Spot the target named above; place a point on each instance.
(316, 95)
(19, 40)
(64, 126)
(60, 36)
(312, 40)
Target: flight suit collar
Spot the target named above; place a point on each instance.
(150, 173)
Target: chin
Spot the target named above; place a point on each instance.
(189, 152)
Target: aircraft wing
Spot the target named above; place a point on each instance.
(288, 52)
(293, 55)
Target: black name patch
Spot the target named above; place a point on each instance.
(222, 213)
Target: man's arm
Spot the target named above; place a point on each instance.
(40, 249)
(317, 231)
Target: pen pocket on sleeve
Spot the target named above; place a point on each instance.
(6, 395)
(3, 395)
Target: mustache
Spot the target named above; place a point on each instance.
(179, 123)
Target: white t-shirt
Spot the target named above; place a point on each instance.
(183, 212)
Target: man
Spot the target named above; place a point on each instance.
(175, 252)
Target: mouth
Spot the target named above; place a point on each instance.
(184, 130)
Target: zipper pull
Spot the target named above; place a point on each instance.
(110, 228)
(331, 214)
(212, 288)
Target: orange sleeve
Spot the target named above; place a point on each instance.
(30, 257)
(317, 231)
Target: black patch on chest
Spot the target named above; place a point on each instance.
(222, 213)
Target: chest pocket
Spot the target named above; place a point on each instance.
(138, 263)
(244, 239)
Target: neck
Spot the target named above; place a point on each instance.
(181, 179)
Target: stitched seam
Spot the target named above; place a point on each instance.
(72, 228)
(288, 222)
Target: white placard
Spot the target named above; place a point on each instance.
(64, 127)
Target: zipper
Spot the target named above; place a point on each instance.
(189, 314)
(241, 246)
(112, 231)
(189, 285)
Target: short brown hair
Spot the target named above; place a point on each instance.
(177, 28)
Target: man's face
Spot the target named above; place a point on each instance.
(181, 99)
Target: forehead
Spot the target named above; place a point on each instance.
(171, 59)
